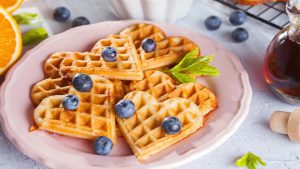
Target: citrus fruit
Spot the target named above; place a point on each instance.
(11, 5)
(10, 41)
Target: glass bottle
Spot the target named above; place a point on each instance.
(282, 59)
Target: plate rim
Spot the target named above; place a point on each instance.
(191, 156)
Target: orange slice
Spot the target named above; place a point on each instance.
(10, 41)
(11, 5)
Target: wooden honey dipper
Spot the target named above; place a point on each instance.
(286, 123)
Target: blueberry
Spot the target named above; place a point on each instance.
(238, 18)
(79, 21)
(61, 14)
(109, 54)
(213, 23)
(125, 108)
(82, 82)
(102, 145)
(70, 102)
(171, 125)
(149, 45)
(240, 35)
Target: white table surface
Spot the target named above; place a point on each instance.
(254, 134)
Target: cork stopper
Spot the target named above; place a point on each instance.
(279, 122)
(286, 123)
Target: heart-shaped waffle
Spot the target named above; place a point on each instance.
(156, 83)
(138, 32)
(52, 65)
(163, 87)
(126, 67)
(197, 93)
(61, 86)
(169, 50)
(143, 130)
(49, 87)
(94, 116)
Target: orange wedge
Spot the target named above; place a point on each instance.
(11, 5)
(10, 41)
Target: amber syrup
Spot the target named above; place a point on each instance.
(282, 67)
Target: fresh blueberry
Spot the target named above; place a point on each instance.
(213, 23)
(81, 20)
(70, 102)
(109, 54)
(82, 82)
(240, 35)
(125, 108)
(171, 125)
(149, 45)
(61, 14)
(238, 18)
(102, 145)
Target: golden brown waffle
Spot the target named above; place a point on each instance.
(168, 51)
(49, 87)
(156, 83)
(94, 117)
(52, 64)
(197, 93)
(140, 31)
(126, 67)
(162, 87)
(143, 130)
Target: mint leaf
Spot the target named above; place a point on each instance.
(188, 59)
(203, 69)
(250, 161)
(242, 162)
(34, 35)
(258, 159)
(183, 78)
(27, 18)
(205, 59)
(191, 66)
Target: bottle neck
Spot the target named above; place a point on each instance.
(293, 11)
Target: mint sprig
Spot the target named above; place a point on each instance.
(191, 66)
(34, 35)
(27, 18)
(250, 161)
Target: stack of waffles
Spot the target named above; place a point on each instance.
(135, 75)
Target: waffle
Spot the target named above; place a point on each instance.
(140, 31)
(168, 51)
(197, 93)
(126, 67)
(156, 83)
(143, 130)
(49, 87)
(52, 65)
(163, 87)
(94, 117)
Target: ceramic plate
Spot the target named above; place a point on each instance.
(232, 89)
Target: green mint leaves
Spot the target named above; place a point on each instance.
(191, 66)
(250, 161)
(34, 35)
(27, 18)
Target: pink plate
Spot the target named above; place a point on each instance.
(232, 88)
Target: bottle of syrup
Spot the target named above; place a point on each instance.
(282, 60)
